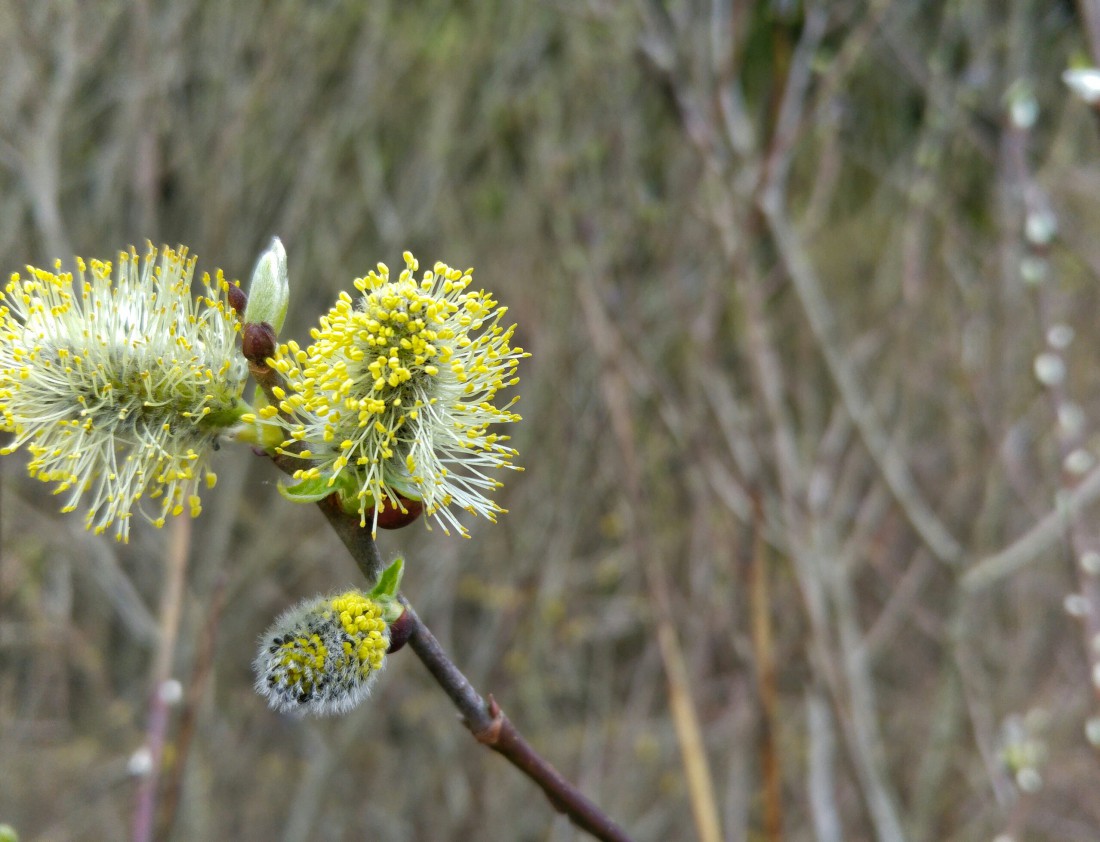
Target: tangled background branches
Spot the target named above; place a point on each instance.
(787, 557)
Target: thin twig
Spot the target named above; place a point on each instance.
(492, 728)
(764, 661)
(356, 538)
(1041, 537)
(170, 611)
(196, 688)
(867, 740)
(864, 734)
(821, 771)
(485, 720)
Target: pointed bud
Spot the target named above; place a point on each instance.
(237, 299)
(269, 291)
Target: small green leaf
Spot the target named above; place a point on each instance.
(308, 490)
(389, 582)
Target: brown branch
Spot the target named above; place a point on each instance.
(356, 538)
(763, 644)
(493, 729)
(485, 720)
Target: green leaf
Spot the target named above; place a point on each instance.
(308, 490)
(389, 582)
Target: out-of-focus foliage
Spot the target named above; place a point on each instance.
(603, 166)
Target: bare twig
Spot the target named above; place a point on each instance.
(196, 687)
(1041, 537)
(811, 552)
(492, 728)
(485, 719)
(764, 660)
(867, 741)
(863, 733)
(170, 611)
(821, 769)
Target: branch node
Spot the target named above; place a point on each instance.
(490, 734)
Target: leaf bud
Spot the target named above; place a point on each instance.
(269, 292)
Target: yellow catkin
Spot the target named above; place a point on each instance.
(113, 378)
(397, 390)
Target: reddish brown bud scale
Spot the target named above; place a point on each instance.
(391, 516)
(401, 630)
(258, 342)
(237, 299)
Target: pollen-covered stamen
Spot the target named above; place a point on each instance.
(397, 389)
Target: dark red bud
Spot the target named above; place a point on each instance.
(391, 516)
(258, 342)
(401, 630)
(237, 299)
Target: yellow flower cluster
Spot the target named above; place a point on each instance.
(321, 656)
(397, 388)
(119, 390)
